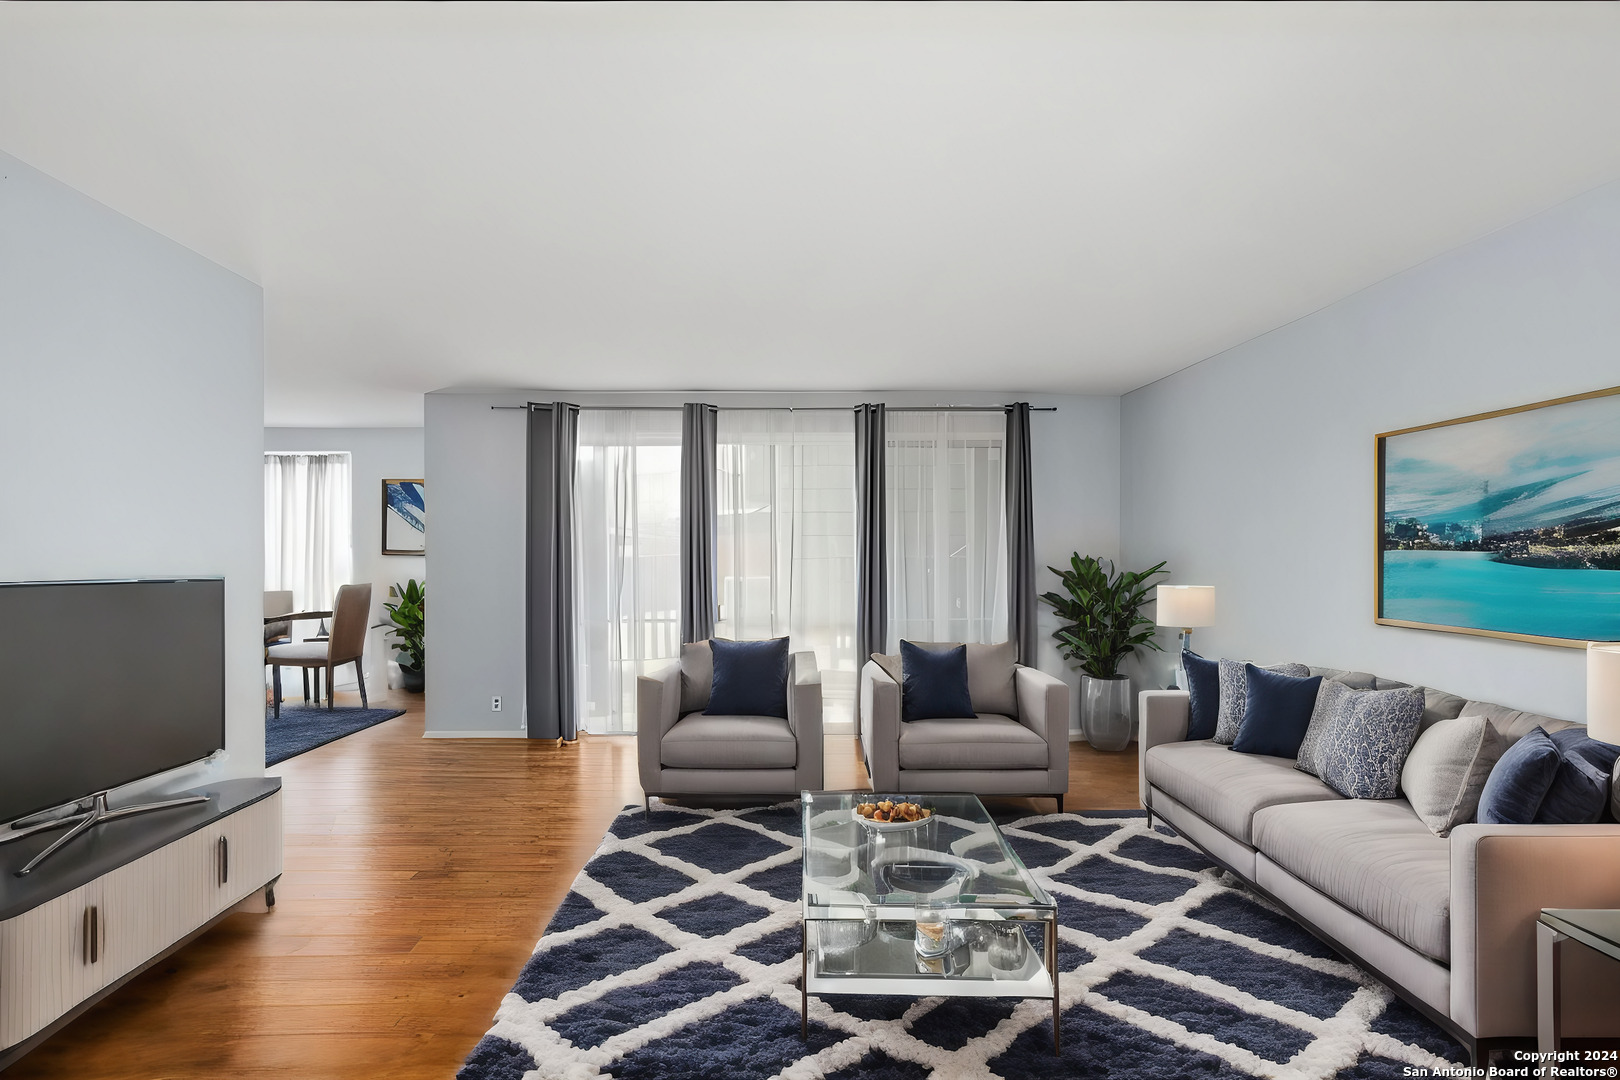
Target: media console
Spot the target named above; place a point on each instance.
(124, 896)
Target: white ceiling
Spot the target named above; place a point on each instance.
(830, 196)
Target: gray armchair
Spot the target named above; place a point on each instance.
(683, 751)
(1018, 744)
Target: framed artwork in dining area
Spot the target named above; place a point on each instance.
(404, 517)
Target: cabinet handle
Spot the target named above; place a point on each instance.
(92, 934)
(224, 860)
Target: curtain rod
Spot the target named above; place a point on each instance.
(793, 408)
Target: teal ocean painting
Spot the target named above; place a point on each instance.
(1506, 524)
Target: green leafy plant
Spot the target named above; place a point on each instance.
(1102, 613)
(407, 630)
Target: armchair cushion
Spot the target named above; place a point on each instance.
(702, 741)
(986, 741)
(990, 671)
(750, 678)
(935, 683)
(697, 676)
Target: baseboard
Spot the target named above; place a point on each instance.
(508, 733)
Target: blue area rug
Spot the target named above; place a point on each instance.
(676, 954)
(302, 728)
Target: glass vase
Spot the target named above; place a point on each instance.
(1105, 712)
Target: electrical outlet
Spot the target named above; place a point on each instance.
(495, 703)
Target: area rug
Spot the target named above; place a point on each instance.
(676, 954)
(301, 728)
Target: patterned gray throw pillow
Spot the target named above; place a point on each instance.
(1309, 758)
(1368, 739)
(1235, 695)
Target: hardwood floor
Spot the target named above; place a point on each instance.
(419, 874)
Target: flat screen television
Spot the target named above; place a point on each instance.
(103, 683)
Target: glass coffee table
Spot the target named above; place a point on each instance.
(940, 907)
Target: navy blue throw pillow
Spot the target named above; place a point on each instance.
(1203, 694)
(933, 684)
(1580, 788)
(1277, 713)
(1519, 782)
(750, 678)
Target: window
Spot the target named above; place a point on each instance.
(947, 526)
(785, 510)
(627, 552)
(308, 522)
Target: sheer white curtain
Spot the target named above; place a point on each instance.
(947, 526)
(308, 526)
(627, 548)
(785, 503)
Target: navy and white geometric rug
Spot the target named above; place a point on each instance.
(677, 955)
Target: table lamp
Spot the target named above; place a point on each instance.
(1185, 606)
(1603, 691)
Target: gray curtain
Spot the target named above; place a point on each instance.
(553, 439)
(698, 525)
(871, 565)
(1021, 568)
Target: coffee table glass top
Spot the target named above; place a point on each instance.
(954, 862)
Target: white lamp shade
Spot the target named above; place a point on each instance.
(1185, 605)
(1603, 692)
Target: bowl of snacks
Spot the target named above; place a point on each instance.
(891, 815)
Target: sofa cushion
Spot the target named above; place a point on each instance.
(701, 741)
(1355, 680)
(934, 682)
(1447, 768)
(697, 676)
(990, 673)
(1235, 694)
(1372, 856)
(1277, 711)
(1515, 788)
(986, 741)
(1368, 739)
(1513, 723)
(1439, 705)
(1579, 793)
(750, 678)
(1203, 694)
(1309, 756)
(1225, 789)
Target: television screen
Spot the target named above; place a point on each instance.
(106, 682)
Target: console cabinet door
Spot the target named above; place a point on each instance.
(247, 851)
(46, 963)
(151, 903)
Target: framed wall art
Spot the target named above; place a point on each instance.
(1505, 524)
(404, 518)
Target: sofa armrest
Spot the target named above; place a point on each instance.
(880, 726)
(804, 718)
(658, 706)
(1501, 878)
(1164, 719)
(1043, 707)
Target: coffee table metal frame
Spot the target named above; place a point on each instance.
(854, 896)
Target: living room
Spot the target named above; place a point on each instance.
(1236, 260)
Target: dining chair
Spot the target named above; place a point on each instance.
(346, 645)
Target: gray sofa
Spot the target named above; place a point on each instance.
(681, 751)
(1017, 744)
(1448, 923)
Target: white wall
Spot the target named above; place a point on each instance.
(378, 454)
(1253, 471)
(131, 412)
(476, 479)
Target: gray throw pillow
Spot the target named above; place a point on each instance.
(1447, 769)
(1309, 758)
(1235, 695)
(1367, 741)
(697, 676)
(890, 663)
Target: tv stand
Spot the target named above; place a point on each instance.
(83, 821)
(123, 896)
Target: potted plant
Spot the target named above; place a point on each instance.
(1103, 623)
(407, 631)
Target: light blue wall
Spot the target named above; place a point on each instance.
(1253, 471)
(131, 418)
